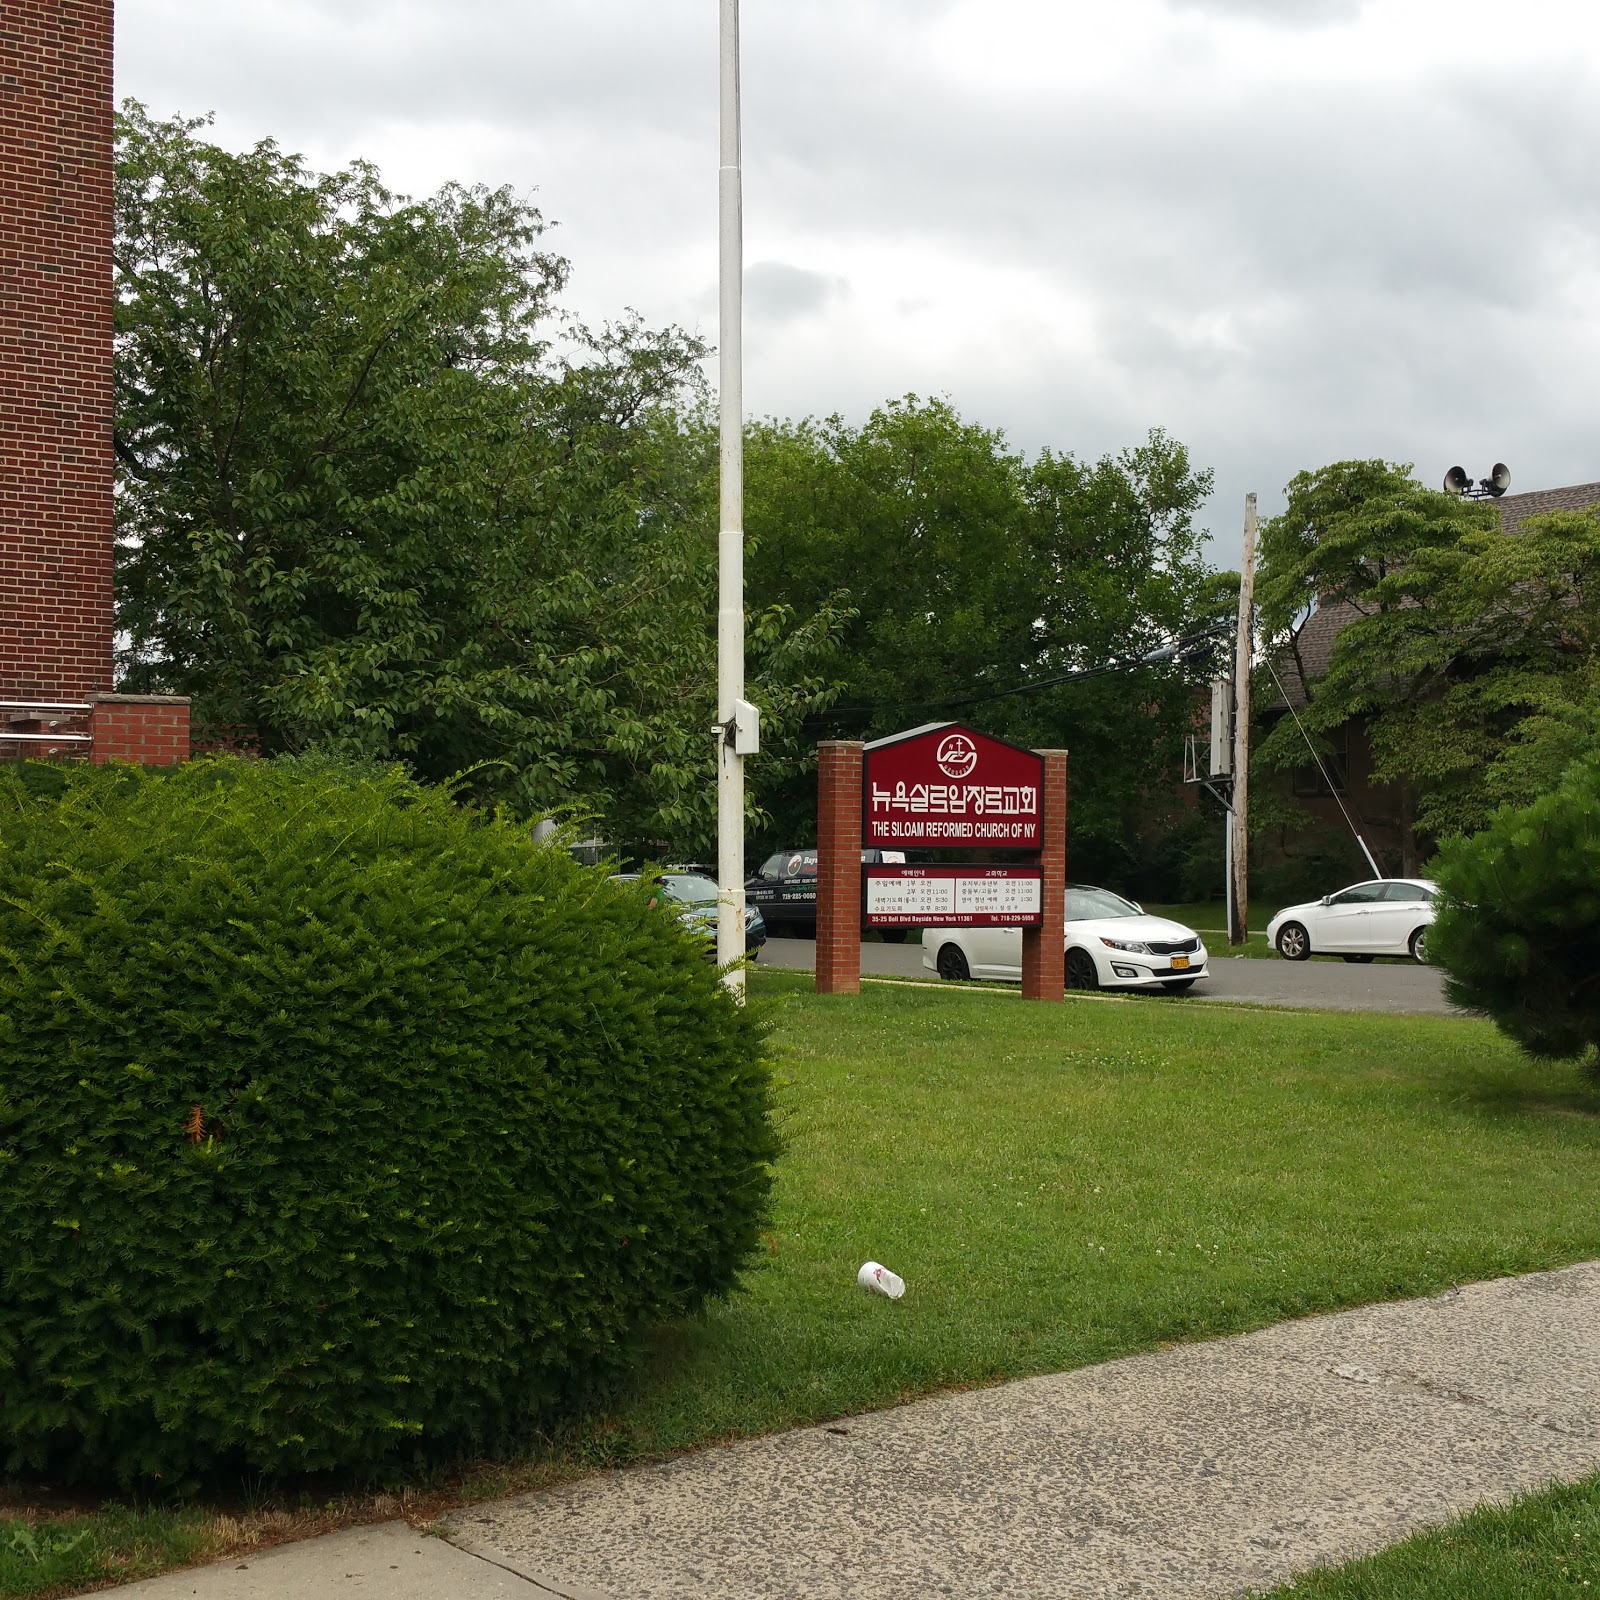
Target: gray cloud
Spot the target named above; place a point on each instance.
(777, 292)
(1284, 259)
(1279, 13)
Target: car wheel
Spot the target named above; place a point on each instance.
(1419, 946)
(1293, 942)
(952, 965)
(1081, 972)
(1358, 961)
(892, 935)
(1180, 985)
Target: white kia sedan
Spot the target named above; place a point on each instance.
(1385, 917)
(1111, 944)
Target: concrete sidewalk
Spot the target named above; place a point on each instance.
(1201, 1471)
(387, 1559)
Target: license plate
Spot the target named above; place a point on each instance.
(1179, 963)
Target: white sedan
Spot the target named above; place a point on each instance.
(1383, 917)
(1111, 944)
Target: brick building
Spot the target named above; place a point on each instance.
(56, 532)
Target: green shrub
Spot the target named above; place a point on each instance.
(1518, 930)
(336, 1120)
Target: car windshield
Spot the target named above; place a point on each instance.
(689, 889)
(1084, 904)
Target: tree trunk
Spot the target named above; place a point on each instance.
(1409, 855)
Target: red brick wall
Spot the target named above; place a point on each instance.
(839, 866)
(55, 348)
(151, 729)
(1044, 947)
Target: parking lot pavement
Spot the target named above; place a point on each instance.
(877, 960)
(1394, 986)
(1327, 985)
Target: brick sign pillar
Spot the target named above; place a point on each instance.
(1044, 947)
(839, 866)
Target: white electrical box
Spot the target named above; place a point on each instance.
(1221, 727)
(746, 729)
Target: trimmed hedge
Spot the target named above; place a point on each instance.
(1518, 930)
(337, 1119)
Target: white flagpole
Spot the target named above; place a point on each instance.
(730, 538)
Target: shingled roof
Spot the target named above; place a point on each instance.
(1314, 642)
(1316, 634)
(1514, 509)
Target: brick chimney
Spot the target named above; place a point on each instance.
(56, 617)
(55, 341)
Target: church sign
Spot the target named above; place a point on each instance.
(945, 785)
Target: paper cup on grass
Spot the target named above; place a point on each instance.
(877, 1277)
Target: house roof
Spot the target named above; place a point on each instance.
(1314, 644)
(1316, 634)
(1516, 508)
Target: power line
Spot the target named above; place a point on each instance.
(1326, 778)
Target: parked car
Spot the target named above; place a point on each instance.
(785, 889)
(697, 896)
(1382, 917)
(1110, 944)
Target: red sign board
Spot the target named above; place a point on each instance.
(954, 897)
(949, 785)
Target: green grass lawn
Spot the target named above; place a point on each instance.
(1211, 916)
(1060, 1185)
(1544, 1546)
(68, 1554)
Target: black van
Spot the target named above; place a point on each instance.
(785, 892)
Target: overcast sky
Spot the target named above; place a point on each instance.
(1287, 231)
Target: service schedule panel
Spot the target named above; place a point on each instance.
(953, 897)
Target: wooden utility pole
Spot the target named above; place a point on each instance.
(1239, 821)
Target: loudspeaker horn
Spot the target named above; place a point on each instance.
(1456, 481)
(1499, 479)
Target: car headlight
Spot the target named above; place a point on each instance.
(1132, 946)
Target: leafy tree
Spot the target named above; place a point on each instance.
(1471, 651)
(1518, 933)
(375, 498)
(978, 579)
(921, 518)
